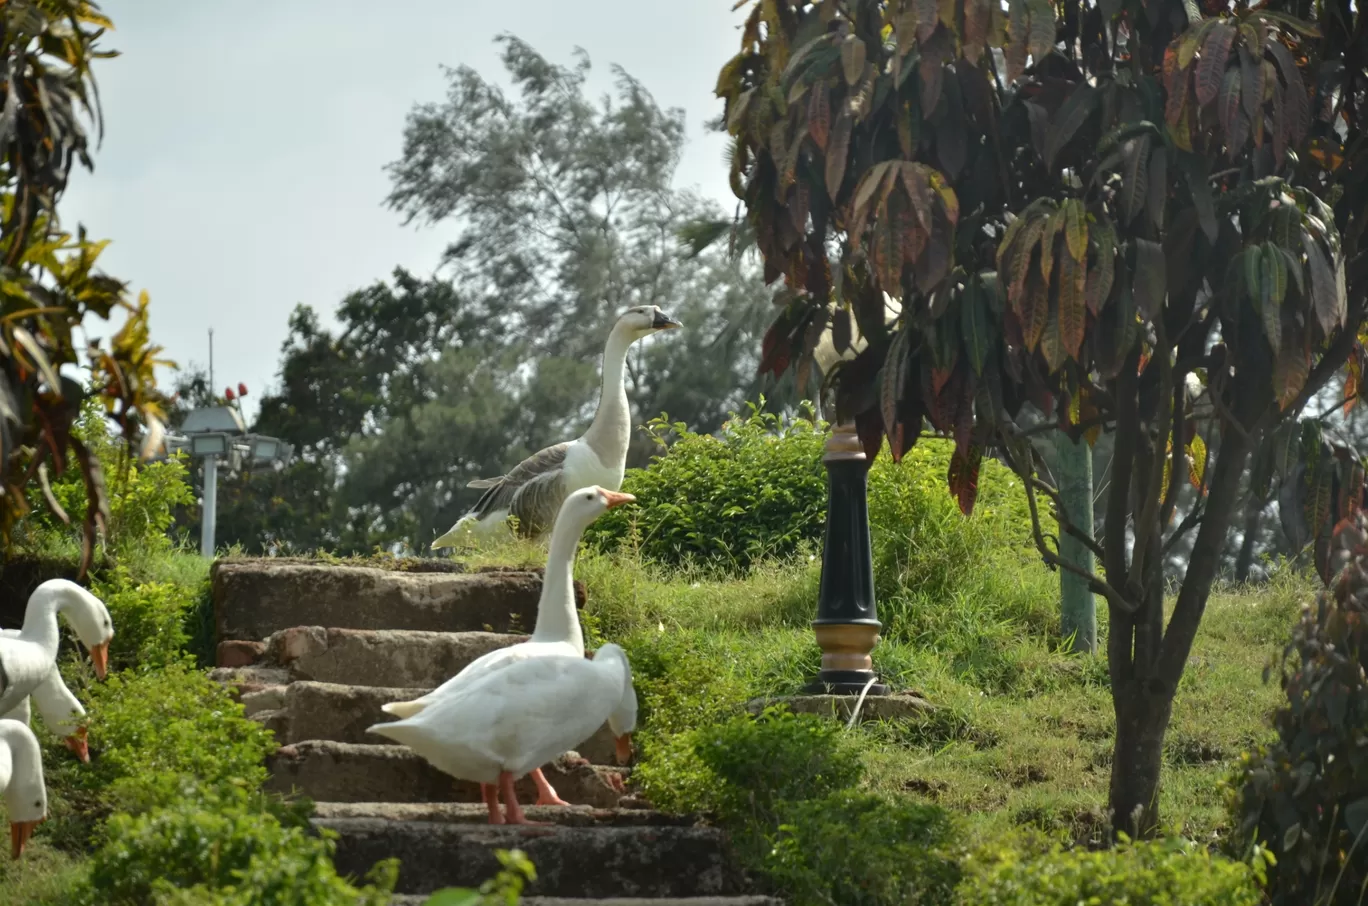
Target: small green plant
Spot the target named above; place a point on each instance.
(223, 848)
(150, 619)
(504, 889)
(863, 849)
(1160, 872)
(1305, 795)
(756, 490)
(784, 785)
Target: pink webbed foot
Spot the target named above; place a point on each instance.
(490, 793)
(546, 794)
(513, 813)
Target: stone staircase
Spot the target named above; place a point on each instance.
(315, 650)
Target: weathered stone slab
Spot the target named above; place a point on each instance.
(328, 771)
(254, 598)
(591, 862)
(876, 707)
(380, 657)
(343, 713)
(476, 813)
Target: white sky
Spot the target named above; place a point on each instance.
(241, 171)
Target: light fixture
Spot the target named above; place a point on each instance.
(265, 449)
(212, 443)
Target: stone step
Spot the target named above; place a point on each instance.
(248, 680)
(593, 860)
(379, 657)
(328, 771)
(306, 710)
(256, 597)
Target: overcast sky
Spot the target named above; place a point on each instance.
(241, 171)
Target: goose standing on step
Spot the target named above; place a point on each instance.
(27, 659)
(21, 782)
(510, 722)
(557, 632)
(62, 711)
(535, 487)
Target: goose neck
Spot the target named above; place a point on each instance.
(556, 617)
(40, 621)
(611, 427)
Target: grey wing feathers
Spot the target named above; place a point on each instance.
(501, 491)
(537, 502)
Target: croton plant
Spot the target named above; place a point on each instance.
(1143, 217)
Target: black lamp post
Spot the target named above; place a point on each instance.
(847, 626)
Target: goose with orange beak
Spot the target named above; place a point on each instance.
(557, 632)
(29, 658)
(21, 782)
(61, 711)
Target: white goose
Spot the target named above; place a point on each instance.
(557, 632)
(21, 781)
(535, 487)
(62, 711)
(27, 659)
(508, 723)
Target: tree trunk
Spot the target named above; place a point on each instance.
(1142, 718)
(1078, 608)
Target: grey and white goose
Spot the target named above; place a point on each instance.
(535, 488)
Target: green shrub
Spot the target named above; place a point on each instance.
(755, 491)
(155, 738)
(862, 849)
(150, 619)
(1163, 873)
(226, 849)
(784, 786)
(1305, 795)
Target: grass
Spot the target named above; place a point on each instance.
(1023, 731)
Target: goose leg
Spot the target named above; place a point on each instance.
(546, 794)
(490, 793)
(513, 813)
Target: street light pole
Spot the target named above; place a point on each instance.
(847, 625)
(209, 514)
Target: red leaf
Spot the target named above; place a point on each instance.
(869, 428)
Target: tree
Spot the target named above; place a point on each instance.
(565, 214)
(1160, 194)
(48, 278)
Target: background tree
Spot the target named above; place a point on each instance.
(49, 283)
(1159, 195)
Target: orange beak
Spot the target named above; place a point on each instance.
(20, 831)
(623, 748)
(76, 742)
(99, 657)
(615, 498)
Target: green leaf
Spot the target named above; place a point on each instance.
(1158, 187)
(1291, 836)
(894, 380)
(1076, 229)
(1212, 66)
(1135, 176)
(1073, 312)
(975, 329)
(1052, 343)
(1228, 104)
(455, 896)
(1041, 42)
(1151, 278)
(1100, 278)
(837, 149)
(1328, 302)
(852, 59)
(1071, 116)
(1269, 306)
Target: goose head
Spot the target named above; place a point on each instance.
(622, 721)
(26, 795)
(88, 617)
(584, 506)
(644, 320)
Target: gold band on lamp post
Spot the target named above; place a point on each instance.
(847, 625)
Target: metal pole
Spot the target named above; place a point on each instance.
(1078, 607)
(209, 511)
(847, 625)
(211, 360)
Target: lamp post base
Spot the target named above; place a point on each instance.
(846, 662)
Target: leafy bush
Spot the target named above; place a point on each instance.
(756, 490)
(227, 850)
(783, 784)
(1305, 795)
(1162, 872)
(150, 619)
(862, 849)
(155, 738)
